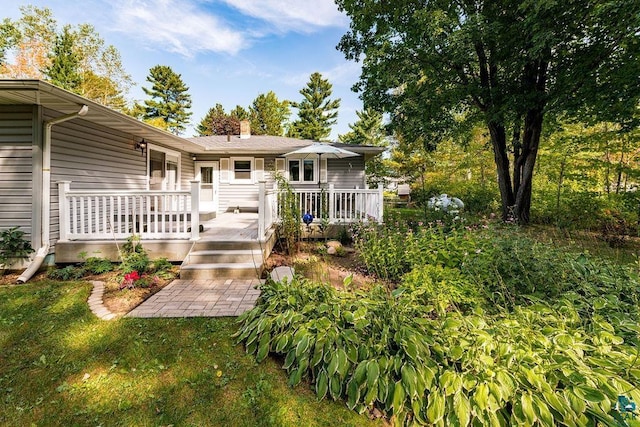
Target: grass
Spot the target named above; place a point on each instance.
(60, 365)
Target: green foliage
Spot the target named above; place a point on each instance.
(316, 112)
(64, 70)
(13, 245)
(218, 122)
(390, 251)
(97, 265)
(69, 272)
(169, 100)
(538, 364)
(269, 115)
(369, 130)
(289, 214)
(440, 68)
(134, 256)
(441, 287)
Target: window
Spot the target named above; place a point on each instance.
(302, 170)
(241, 170)
(163, 168)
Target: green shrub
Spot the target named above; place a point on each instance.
(97, 265)
(69, 272)
(134, 256)
(13, 245)
(538, 364)
(443, 288)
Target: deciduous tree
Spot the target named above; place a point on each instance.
(218, 122)
(442, 65)
(269, 115)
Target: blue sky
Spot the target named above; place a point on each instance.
(227, 51)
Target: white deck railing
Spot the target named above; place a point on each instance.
(97, 215)
(336, 205)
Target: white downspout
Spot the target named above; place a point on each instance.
(37, 261)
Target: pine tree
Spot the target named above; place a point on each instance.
(269, 115)
(369, 130)
(169, 98)
(63, 70)
(316, 112)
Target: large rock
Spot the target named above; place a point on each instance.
(278, 274)
(334, 244)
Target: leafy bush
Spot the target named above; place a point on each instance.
(538, 364)
(443, 288)
(13, 245)
(391, 250)
(134, 256)
(515, 270)
(97, 265)
(69, 272)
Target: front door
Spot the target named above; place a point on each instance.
(207, 173)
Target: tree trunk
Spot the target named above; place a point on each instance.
(499, 143)
(527, 160)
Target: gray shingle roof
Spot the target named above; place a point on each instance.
(266, 144)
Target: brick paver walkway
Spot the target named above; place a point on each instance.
(201, 298)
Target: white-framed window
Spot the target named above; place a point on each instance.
(163, 168)
(241, 170)
(303, 170)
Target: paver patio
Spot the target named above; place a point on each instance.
(201, 298)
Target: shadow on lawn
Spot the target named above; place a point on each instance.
(60, 365)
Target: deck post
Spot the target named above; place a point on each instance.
(63, 213)
(262, 187)
(380, 203)
(332, 203)
(195, 209)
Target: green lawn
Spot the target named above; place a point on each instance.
(60, 365)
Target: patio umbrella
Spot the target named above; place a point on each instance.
(327, 151)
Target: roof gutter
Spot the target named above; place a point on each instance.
(35, 264)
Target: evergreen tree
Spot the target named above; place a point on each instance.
(63, 70)
(316, 112)
(269, 115)
(169, 98)
(369, 130)
(239, 113)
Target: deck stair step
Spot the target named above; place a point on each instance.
(223, 260)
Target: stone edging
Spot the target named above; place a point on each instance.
(95, 302)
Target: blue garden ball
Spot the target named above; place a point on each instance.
(307, 218)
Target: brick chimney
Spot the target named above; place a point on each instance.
(245, 129)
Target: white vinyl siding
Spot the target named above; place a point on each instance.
(17, 168)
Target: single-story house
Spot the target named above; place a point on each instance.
(78, 177)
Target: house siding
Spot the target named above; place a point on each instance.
(17, 159)
(94, 157)
(342, 173)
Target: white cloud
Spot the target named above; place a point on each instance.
(177, 27)
(293, 15)
(342, 74)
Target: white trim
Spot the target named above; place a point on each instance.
(168, 152)
(232, 177)
(301, 170)
(215, 203)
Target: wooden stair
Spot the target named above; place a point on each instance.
(223, 260)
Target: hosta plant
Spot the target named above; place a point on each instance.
(539, 364)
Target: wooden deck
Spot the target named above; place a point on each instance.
(230, 227)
